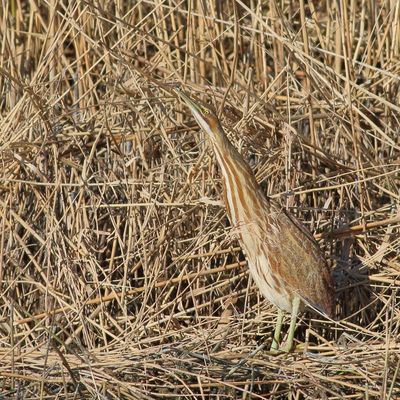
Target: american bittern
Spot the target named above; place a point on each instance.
(284, 259)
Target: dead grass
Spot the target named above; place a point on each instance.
(119, 276)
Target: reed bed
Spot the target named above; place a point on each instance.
(120, 275)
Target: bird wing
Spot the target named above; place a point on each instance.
(298, 260)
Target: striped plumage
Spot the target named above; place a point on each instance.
(284, 259)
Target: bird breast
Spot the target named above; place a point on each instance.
(267, 280)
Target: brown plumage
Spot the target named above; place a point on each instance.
(284, 259)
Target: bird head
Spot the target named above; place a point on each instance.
(203, 114)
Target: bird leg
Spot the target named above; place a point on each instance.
(289, 343)
(293, 318)
(277, 332)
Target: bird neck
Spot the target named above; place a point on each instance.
(243, 196)
(231, 162)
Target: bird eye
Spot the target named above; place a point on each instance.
(205, 111)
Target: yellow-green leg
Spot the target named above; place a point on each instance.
(277, 332)
(292, 328)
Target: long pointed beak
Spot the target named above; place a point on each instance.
(188, 101)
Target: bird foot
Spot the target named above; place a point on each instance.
(275, 350)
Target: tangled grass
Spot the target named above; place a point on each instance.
(120, 277)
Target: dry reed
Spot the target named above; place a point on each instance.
(120, 277)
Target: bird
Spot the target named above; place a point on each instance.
(284, 260)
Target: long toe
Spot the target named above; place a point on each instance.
(287, 347)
